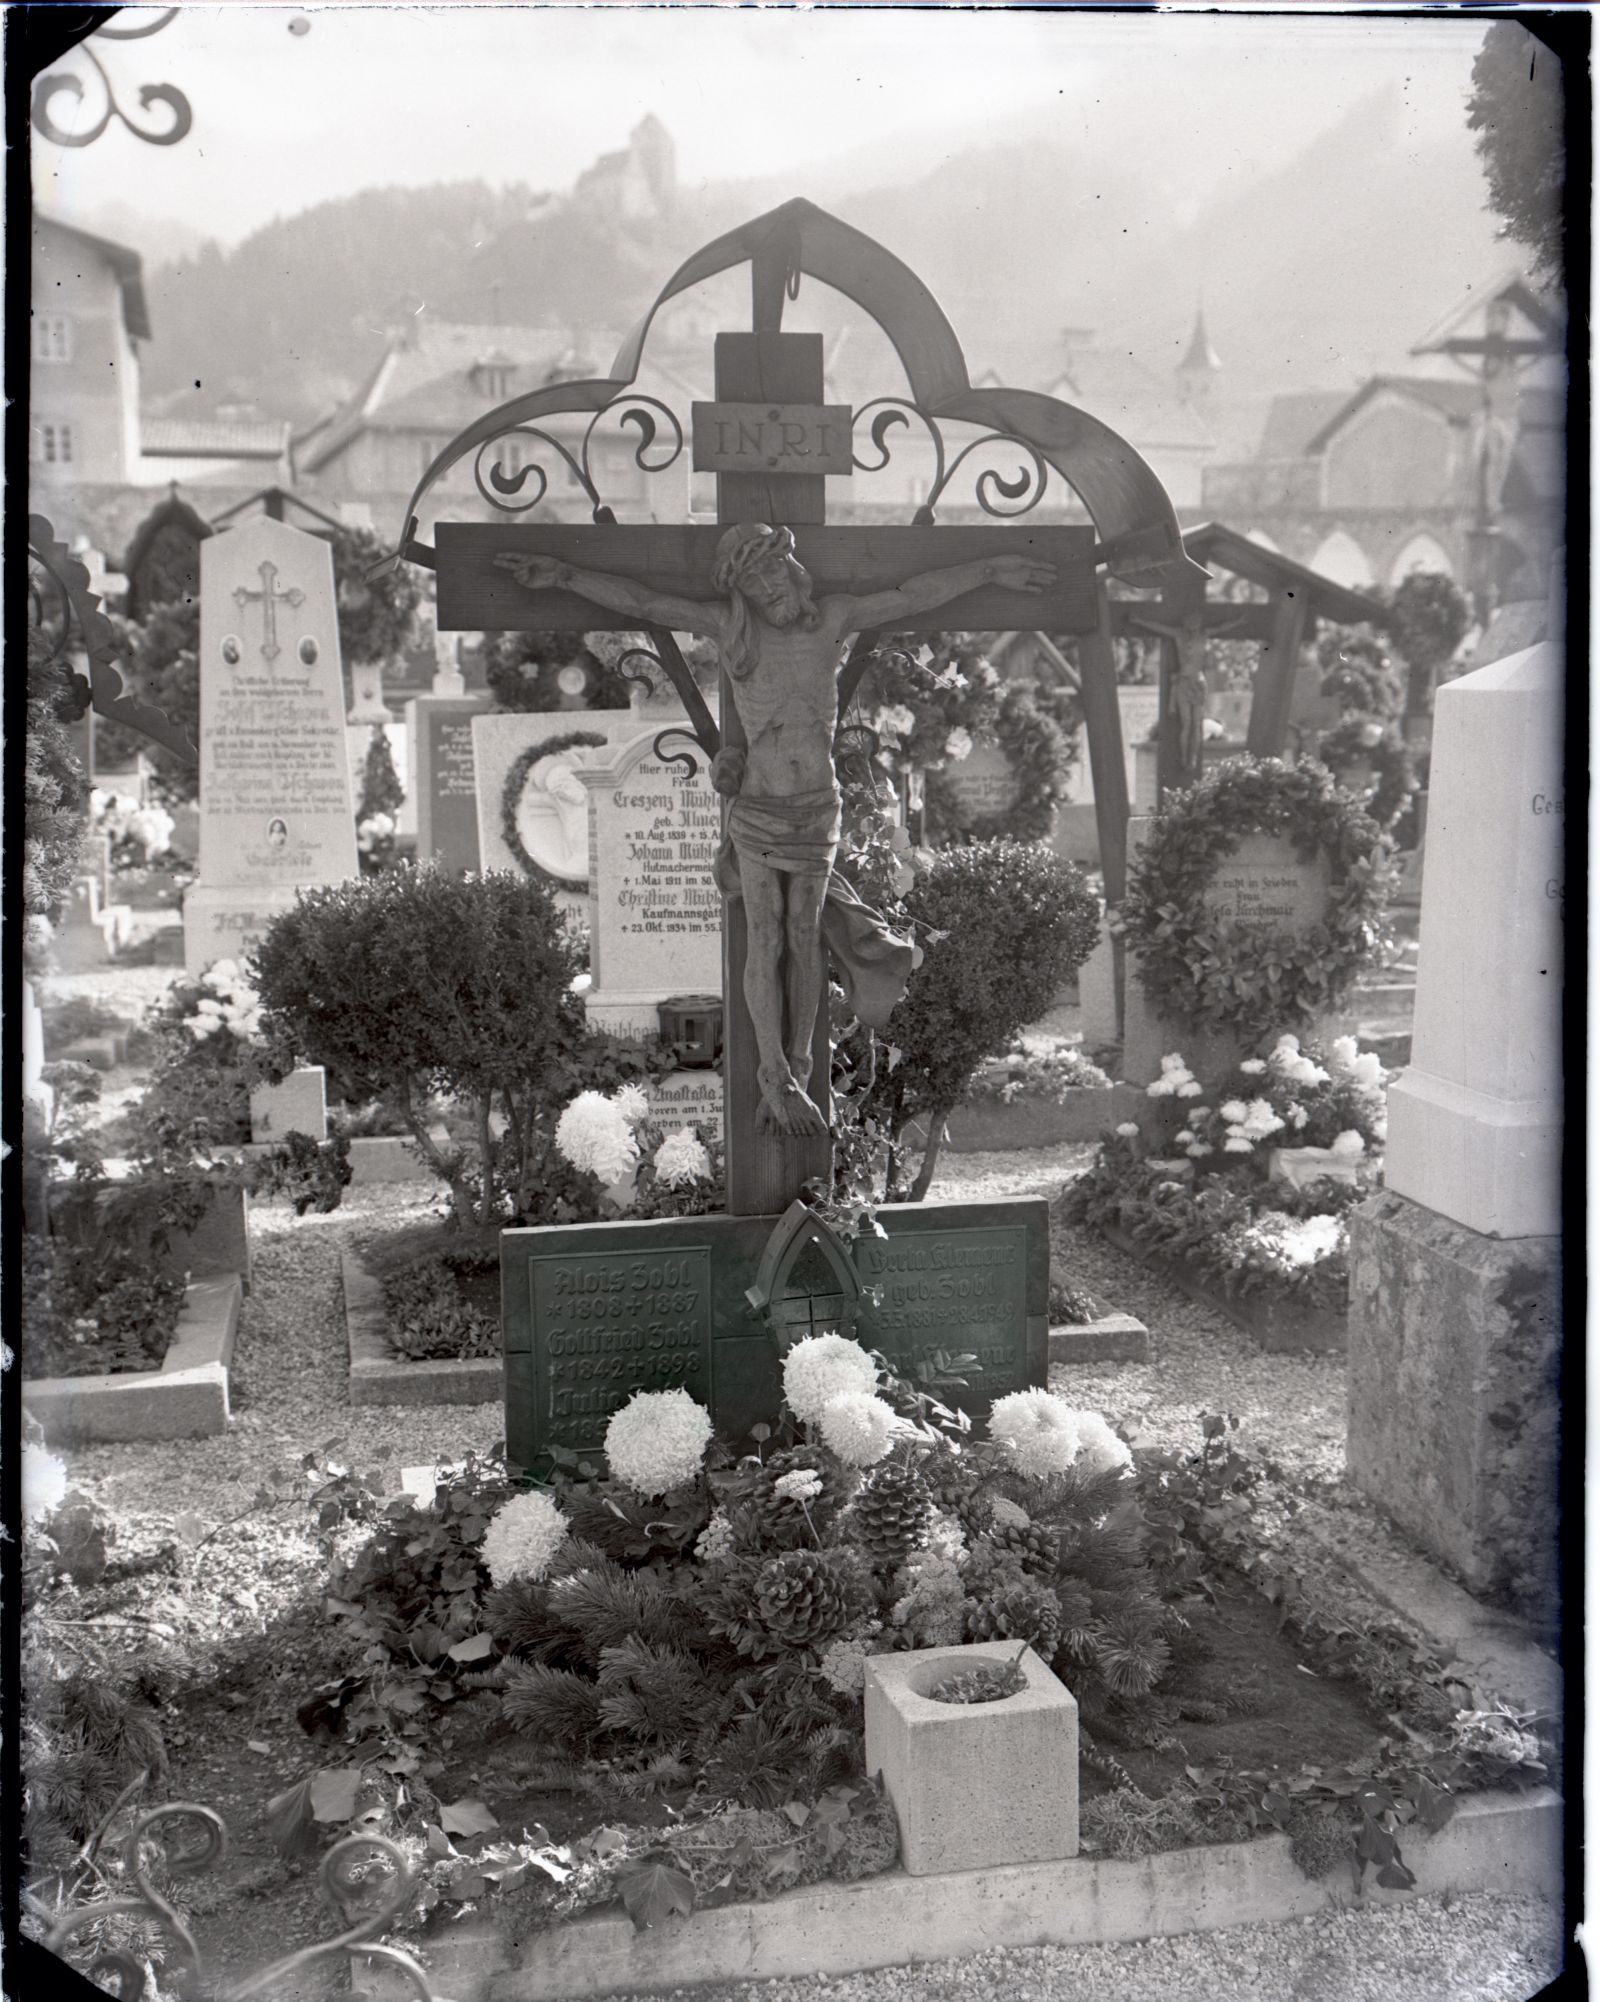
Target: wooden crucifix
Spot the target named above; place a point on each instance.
(781, 594)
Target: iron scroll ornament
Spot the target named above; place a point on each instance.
(344, 1876)
(57, 84)
(498, 485)
(1139, 539)
(1005, 499)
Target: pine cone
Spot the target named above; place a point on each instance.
(1035, 1549)
(953, 1488)
(1025, 1612)
(890, 1513)
(806, 1596)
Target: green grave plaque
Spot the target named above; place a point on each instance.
(594, 1312)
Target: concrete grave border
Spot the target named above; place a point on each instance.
(1110, 1337)
(186, 1398)
(377, 1376)
(1279, 1327)
(987, 1125)
(1506, 1844)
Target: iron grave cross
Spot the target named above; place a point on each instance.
(270, 598)
(772, 443)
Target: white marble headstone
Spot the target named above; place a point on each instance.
(655, 914)
(1475, 1121)
(276, 810)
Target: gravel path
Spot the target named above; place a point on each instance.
(1465, 1949)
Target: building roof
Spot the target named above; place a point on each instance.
(126, 264)
(189, 438)
(1294, 420)
(1455, 401)
(1109, 383)
(427, 381)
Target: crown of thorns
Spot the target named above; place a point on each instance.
(743, 547)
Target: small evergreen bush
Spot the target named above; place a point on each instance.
(419, 981)
(1003, 925)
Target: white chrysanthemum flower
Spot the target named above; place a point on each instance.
(1190, 1088)
(1008, 1514)
(1232, 1110)
(1128, 1130)
(593, 1134)
(1343, 1052)
(822, 1367)
(523, 1537)
(1260, 1120)
(958, 744)
(222, 972)
(1349, 1144)
(803, 1485)
(1380, 1129)
(44, 1482)
(1305, 1240)
(1237, 1143)
(1036, 1431)
(1286, 1049)
(716, 1539)
(858, 1427)
(1367, 1070)
(1298, 1117)
(656, 1442)
(1101, 1449)
(632, 1101)
(1253, 1066)
(681, 1159)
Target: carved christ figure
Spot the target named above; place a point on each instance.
(1188, 690)
(782, 651)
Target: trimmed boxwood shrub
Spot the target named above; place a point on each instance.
(418, 982)
(1002, 925)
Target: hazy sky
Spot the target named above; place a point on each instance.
(368, 96)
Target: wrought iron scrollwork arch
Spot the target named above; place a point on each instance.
(55, 85)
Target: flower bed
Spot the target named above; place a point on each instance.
(1207, 1202)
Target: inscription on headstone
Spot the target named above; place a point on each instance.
(605, 1327)
(964, 1291)
(593, 1312)
(688, 1098)
(983, 784)
(1265, 882)
(655, 915)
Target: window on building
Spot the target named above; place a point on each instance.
(52, 337)
(52, 443)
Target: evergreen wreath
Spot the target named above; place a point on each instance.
(511, 799)
(1200, 967)
(1350, 742)
(1037, 751)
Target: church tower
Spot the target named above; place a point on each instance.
(1201, 367)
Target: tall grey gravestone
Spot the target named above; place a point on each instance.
(276, 813)
(1455, 1287)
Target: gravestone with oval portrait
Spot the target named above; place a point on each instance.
(532, 812)
(276, 811)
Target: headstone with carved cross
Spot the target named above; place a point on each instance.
(276, 813)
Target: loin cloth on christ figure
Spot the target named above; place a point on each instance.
(782, 652)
